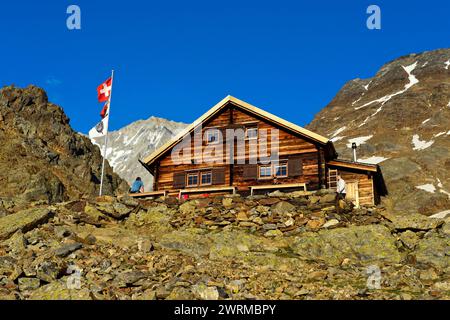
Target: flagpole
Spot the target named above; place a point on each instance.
(106, 135)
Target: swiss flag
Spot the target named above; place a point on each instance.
(104, 90)
(104, 112)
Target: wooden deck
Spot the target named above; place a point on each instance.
(207, 190)
(277, 186)
(149, 194)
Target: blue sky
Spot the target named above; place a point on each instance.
(176, 59)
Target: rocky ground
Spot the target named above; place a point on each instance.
(281, 246)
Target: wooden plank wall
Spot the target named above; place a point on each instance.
(289, 146)
(365, 185)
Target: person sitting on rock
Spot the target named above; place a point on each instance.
(138, 186)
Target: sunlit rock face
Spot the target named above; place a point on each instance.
(399, 119)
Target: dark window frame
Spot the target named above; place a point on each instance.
(265, 177)
(208, 172)
(281, 164)
(191, 174)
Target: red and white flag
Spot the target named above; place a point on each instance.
(104, 90)
(105, 110)
(104, 94)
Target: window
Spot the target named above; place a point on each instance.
(280, 169)
(276, 170)
(206, 178)
(252, 133)
(265, 172)
(212, 136)
(192, 179)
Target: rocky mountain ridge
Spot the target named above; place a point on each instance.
(400, 119)
(42, 158)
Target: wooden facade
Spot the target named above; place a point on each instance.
(303, 156)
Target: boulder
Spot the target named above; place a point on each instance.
(7, 265)
(282, 208)
(188, 207)
(235, 286)
(409, 239)
(66, 249)
(29, 284)
(330, 223)
(268, 201)
(367, 244)
(130, 277)
(273, 233)
(49, 271)
(316, 223)
(413, 222)
(191, 241)
(58, 290)
(24, 220)
(327, 198)
(227, 202)
(242, 216)
(434, 250)
(17, 243)
(202, 291)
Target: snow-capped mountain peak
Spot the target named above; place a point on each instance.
(135, 141)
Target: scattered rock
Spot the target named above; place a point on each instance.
(227, 202)
(282, 207)
(130, 277)
(315, 224)
(330, 223)
(58, 290)
(235, 286)
(364, 243)
(49, 271)
(204, 292)
(434, 250)
(65, 250)
(242, 216)
(23, 220)
(273, 233)
(414, 222)
(29, 284)
(409, 239)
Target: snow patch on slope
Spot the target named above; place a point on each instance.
(420, 144)
(358, 141)
(338, 131)
(439, 134)
(427, 187)
(412, 81)
(373, 160)
(336, 139)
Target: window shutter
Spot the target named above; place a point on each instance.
(250, 171)
(218, 176)
(179, 180)
(295, 167)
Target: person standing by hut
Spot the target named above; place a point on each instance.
(341, 191)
